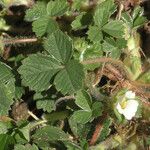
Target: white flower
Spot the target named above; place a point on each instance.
(128, 106)
(130, 95)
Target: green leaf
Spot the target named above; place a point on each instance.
(25, 147)
(76, 24)
(109, 45)
(59, 46)
(19, 91)
(37, 71)
(97, 109)
(121, 43)
(139, 21)
(127, 19)
(104, 132)
(37, 11)
(5, 141)
(44, 101)
(82, 116)
(83, 100)
(57, 7)
(69, 79)
(3, 25)
(95, 34)
(145, 77)
(78, 129)
(7, 93)
(77, 4)
(137, 12)
(57, 115)
(26, 131)
(46, 105)
(44, 25)
(3, 127)
(72, 146)
(114, 28)
(103, 12)
(49, 133)
(81, 21)
(6, 74)
(92, 51)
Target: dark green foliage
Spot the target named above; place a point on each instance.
(62, 90)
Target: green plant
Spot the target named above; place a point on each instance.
(70, 82)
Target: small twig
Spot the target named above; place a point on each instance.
(34, 116)
(19, 41)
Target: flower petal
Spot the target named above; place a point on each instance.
(119, 108)
(131, 108)
(130, 95)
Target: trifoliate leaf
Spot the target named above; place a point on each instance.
(59, 46)
(5, 73)
(44, 25)
(46, 105)
(83, 100)
(57, 7)
(103, 12)
(69, 79)
(114, 28)
(7, 93)
(37, 11)
(49, 133)
(82, 116)
(37, 71)
(95, 34)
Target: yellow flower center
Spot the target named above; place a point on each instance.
(123, 104)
